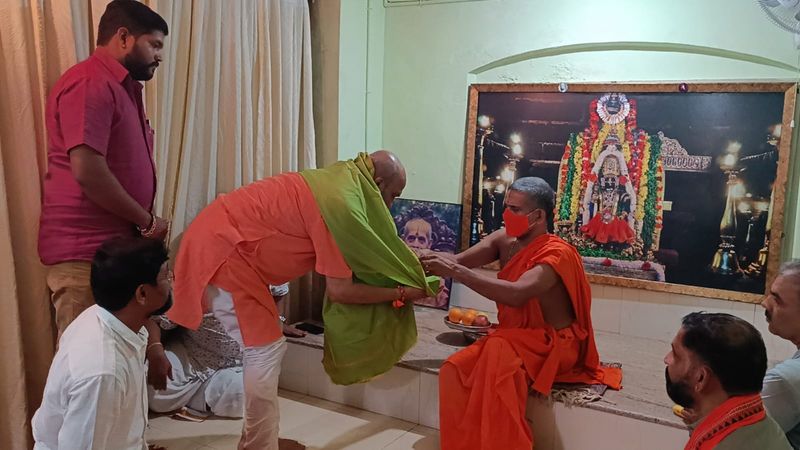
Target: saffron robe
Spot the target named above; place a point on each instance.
(483, 389)
(741, 422)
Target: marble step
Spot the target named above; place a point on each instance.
(637, 417)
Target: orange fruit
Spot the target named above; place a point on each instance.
(455, 315)
(469, 317)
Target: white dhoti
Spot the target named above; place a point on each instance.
(262, 368)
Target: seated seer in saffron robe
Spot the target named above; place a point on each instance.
(270, 232)
(545, 333)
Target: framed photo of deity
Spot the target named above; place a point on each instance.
(432, 226)
(670, 187)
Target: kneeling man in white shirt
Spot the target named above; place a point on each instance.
(95, 396)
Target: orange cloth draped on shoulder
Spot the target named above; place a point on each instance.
(483, 389)
(268, 232)
(736, 412)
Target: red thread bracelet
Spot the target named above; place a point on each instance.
(400, 302)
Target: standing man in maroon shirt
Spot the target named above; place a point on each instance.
(101, 178)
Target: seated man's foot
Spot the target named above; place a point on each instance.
(291, 331)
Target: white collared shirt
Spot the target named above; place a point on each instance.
(95, 396)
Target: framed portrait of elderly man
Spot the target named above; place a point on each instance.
(431, 226)
(671, 187)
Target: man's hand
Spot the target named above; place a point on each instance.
(413, 293)
(420, 252)
(161, 229)
(158, 368)
(437, 264)
(292, 331)
(688, 416)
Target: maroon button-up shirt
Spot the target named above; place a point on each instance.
(95, 103)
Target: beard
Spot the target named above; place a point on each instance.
(165, 307)
(139, 69)
(679, 391)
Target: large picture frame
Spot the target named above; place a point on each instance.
(670, 187)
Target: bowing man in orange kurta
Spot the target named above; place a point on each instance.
(545, 333)
(268, 232)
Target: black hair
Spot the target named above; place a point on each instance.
(539, 192)
(123, 264)
(131, 14)
(731, 347)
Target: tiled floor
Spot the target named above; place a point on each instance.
(306, 422)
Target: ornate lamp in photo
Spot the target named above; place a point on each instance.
(485, 128)
(725, 262)
(491, 211)
(515, 154)
(757, 268)
(508, 174)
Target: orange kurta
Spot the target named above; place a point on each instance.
(268, 232)
(483, 389)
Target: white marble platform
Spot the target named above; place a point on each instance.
(410, 391)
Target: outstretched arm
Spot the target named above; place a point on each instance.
(532, 283)
(482, 253)
(344, 290)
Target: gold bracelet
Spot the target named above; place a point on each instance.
(150, 229)
(154, 343)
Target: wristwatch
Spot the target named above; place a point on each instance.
(283, 318)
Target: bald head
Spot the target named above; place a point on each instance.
(390, 175)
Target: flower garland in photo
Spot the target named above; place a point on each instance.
(642, 190)
(578, 182)
(625, 146)
(566, 181)
(597, 146)
(653, 187)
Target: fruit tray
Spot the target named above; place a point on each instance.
(467, 328)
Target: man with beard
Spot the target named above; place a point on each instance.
(101, 178)
(781, 392)
(95, 395)
(715, 371)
